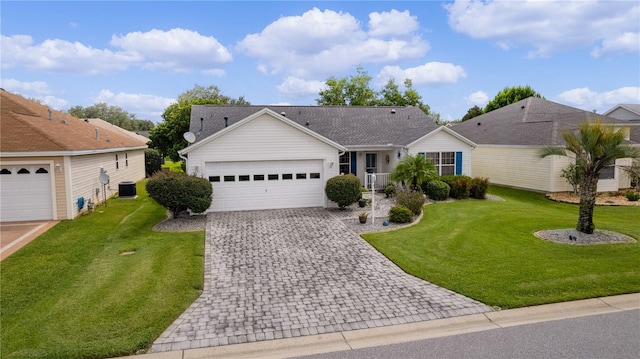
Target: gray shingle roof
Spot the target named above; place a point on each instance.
(631, 107)
(532, 121)
(346, 125)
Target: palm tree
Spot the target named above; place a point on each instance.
(414, 170)
(595, 146)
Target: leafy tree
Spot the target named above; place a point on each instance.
(390, 95)
(573, 174)
(178, 192)
(152, 161)
(595, 146)
(634, 174)
(167, 136)
(112, 114)
(352, 91)
(474, 111)
(414, 170)
(510, 95)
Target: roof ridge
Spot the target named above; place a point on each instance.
(43, 133)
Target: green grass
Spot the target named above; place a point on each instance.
(486, 250)
(71, 294)
(173, 166)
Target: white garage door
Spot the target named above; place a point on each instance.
(25, 193)
(241, 186)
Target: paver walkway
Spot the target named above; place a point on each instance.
(294, 272)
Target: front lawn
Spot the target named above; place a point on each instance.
(486, 250)
(102, 285)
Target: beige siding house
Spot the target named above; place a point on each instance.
(260, 157)
(50, 162)
(510, 139)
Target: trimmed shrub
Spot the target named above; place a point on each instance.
(413, 200)
(152, 161)
(479, 187)
(400, 214)
(390, 190)
(178, 192)
(344, 190)
(460, 185)
(436, 190)
(632, 196)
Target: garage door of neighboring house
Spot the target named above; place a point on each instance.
(241, 186)
(25, 193)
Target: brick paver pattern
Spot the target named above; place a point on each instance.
(295, 272)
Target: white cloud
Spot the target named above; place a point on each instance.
(55, 102)
(625, 43)
(294, 87)
(549, 26)
(38, 87)
(478, 98)
(61, 55)
(392, 23)
(431, 73)
(142, 105)
(177, 50)
(320, 43)
(589, 100)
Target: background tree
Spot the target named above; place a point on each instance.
(573, 175)
(595, 146)
(112, 114)
(357, 91)
(351, 91)
(474, 111)
(510, 95)
(633, 172)
(167, 136)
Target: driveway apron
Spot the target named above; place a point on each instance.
(295, 272)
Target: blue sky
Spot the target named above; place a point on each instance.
(142, 55)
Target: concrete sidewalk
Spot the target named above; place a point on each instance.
(357, 339)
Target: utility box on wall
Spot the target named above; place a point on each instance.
(126, 189)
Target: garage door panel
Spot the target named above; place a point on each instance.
(259, 192)
(25, 196)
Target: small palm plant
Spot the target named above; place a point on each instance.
(413, 171)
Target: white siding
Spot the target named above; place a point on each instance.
(444, 142)
(265, 139)
(85, 172)
(514, 167)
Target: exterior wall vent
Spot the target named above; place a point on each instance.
(97, 134)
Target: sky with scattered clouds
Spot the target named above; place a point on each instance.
(141, 55)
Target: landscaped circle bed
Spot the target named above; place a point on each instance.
(575, 237)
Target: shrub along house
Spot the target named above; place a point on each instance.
(50, 162)
(261, 157)
(510, 139)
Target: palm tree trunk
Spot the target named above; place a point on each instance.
(588, 192)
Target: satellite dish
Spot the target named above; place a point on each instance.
(190, 137)
(104, 177)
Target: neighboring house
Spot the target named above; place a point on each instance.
(630, 114)
(98, 122)
(510, 138)
(262, 157)
(51, 162)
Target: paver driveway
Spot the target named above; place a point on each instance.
(294, 272)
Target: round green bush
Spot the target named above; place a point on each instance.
(178, 192)
(400, 214)
(344, 190)
(437, 190)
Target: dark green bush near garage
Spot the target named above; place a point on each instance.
(179, 192)
(344, 190)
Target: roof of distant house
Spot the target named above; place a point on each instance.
(346, 125)
(26, 126)
(533, 121)
(631, 107)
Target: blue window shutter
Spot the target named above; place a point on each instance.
(458, 163)
(354, 158)
(421, 153)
